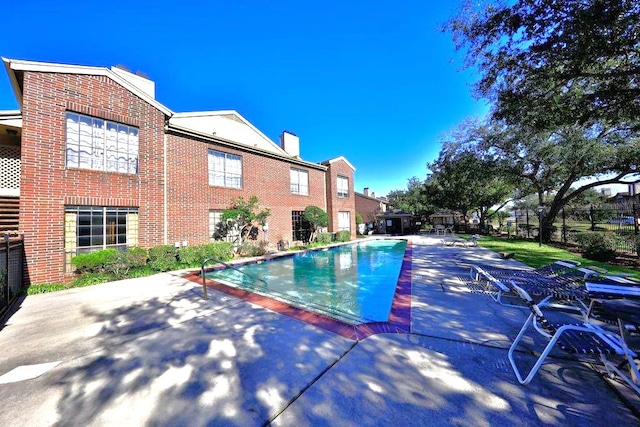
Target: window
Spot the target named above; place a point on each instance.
(299, 182)
(343, 186)
(301, 228)
(225, 170)
(99, 144)
(344, 221)
(92, 228)
(219, 230)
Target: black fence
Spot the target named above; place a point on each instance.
(622, 223)
(11, 263)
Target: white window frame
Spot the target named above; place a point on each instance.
(97, 144)
(215, 217)
(343, 186)
(299, 182)
(225, 170)
(344, 220)
(82, 236)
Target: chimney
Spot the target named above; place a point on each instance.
(290, 143)
(373, 194)
(139, 80)
(366, 191)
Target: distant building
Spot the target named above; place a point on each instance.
(369, 206)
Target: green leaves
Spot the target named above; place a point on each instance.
(551, 63)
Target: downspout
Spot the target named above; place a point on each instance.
(164, 188)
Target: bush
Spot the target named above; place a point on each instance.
(193, 256)
(95, 262)
(596, 246)
(359, 219)
(89, 279)
(163, 258)
(141, 272)
(137, 257)
(343, 236)
(247, 249)
(45, 288)
(324, 238)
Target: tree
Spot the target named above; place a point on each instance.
(551, 164)
(464, 178)
(413, 200)
(243, 216)
(317, 218)
(552, 63)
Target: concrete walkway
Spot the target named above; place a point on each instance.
(150, 351)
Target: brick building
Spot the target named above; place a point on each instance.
(369, 206)
(93, 161)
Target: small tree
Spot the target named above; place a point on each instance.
(317, 218)
(245, 215)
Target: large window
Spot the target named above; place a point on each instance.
(99, 144)
(299, 182)
(92, 228)
(219, 230)
(301, 228)
(344, 221)
(225, 170)
(343, 186)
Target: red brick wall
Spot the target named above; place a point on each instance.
(46, 186)
(367, 207)
(190, 197)
(337, 204)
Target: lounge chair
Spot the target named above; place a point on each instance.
(567, 289)
(586, 340)
(550, 270)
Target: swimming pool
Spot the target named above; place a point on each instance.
(353, 283)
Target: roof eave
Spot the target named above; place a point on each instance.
(14, 65)
(239, 146)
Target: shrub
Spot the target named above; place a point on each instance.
(359, 219)
(137, 257)
(596, 246)
(343, 236)
(163, 258)
(193, 256)
(89, 279)
(324, 238)
(45, 288)
(220, 250)
(94, 262)
(247, 249)
(141, 272)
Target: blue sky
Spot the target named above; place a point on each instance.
(374, 81)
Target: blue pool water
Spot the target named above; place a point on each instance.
(353, 283)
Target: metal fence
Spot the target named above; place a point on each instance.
(11, 267)
(620, 222)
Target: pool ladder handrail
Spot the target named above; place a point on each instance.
(204, 286)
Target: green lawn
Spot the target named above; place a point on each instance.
(532, 254)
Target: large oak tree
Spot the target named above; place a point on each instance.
(551, 63)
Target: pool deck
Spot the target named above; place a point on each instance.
(151, 351)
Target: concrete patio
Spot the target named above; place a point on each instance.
(150, 351)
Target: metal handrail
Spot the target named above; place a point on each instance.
(204, 286)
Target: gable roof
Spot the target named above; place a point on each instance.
(14, 65)
(228, 125)
(338, 159)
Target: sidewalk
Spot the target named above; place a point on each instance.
(150, 351)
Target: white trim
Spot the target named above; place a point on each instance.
(237, 145)
(13, 65)
(337, 159)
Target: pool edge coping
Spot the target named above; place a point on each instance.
(399, 317)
